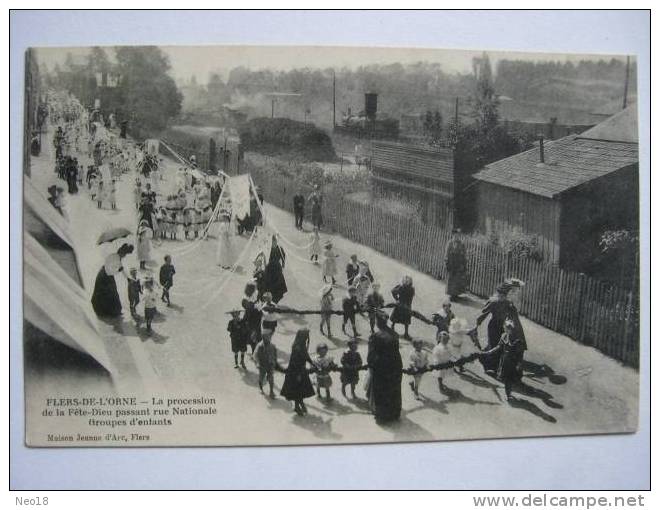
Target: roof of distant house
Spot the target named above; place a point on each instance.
(570, 161)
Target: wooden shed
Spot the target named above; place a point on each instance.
(566, 192)
(423, 173)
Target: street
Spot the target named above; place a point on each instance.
(568, 388)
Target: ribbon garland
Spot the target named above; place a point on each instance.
(408, 371)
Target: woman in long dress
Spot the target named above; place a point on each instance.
(274, 280)
(297, 384)
(500, 308)
(385, 365)
(105, 298)
(456, 264)
(402, 312)
(329, 268)
(316, 199)
(144, 236)
(225, 256)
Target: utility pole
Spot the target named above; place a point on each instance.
(625, 87)
(334, 99)
(456, 113)
(272, 108)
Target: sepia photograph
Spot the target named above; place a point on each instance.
(228, 245)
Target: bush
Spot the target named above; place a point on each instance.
(288, 138)
(517, 244)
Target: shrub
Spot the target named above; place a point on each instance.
(287, 137)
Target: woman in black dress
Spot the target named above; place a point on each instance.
(385, 365)
(105, 299)
(273, 278)
(500, 308)
(297, 385)
(252, 315)
(403, 294)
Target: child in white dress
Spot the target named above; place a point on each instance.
(315, 246)
(441, 354)
(417, 360)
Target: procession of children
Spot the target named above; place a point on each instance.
(188, 213)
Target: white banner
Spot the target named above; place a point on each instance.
(239, 189)
(151, 145)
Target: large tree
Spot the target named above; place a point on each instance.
(148, 95)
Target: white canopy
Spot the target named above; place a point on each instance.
(55, 304)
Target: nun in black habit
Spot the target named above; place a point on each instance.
(273, 278)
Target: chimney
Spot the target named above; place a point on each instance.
(541, 153)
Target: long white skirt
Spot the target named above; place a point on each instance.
(225, 255)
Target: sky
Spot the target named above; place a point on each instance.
(200, 61)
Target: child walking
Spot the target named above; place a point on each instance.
(112, 195)
(99, 195)
(326, 308)
(238, 336)
(418, 360)
(265, 356)
(134, 291)
(150, 300)
(350, 307)
(324, 364)
(269, 317)
(375, 301)
(441, 354)
(166, 278)
(351, 361)
(443, 317)
(315, 246)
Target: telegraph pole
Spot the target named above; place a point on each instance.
(625, 87)
(334, 99)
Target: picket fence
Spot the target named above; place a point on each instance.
(590, 311)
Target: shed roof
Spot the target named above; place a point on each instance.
(569, 161)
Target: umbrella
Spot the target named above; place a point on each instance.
(113, 234)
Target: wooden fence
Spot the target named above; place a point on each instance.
(590, 311)
(586, 309)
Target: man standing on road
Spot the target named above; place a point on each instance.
(299, 209)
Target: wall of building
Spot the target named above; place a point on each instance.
(506, 210)
(608, 203)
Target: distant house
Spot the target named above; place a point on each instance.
(549, 121)
(566, 192)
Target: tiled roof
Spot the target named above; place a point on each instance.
(569, 162)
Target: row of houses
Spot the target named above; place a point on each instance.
(563, 192)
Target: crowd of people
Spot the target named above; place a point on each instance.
(196, 203)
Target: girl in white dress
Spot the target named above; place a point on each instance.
(418, 359)
(442, 354)
(225, 255)
(144, 237)
(329, 264)
(458, 339)
(315, 247)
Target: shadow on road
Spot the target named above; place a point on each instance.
(543, 372)
(521, 403)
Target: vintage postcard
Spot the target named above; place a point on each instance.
(242, 245)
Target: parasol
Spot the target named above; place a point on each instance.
(113, 234)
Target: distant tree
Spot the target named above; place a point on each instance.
(485, 100)
(433, 127)
(148, 94)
